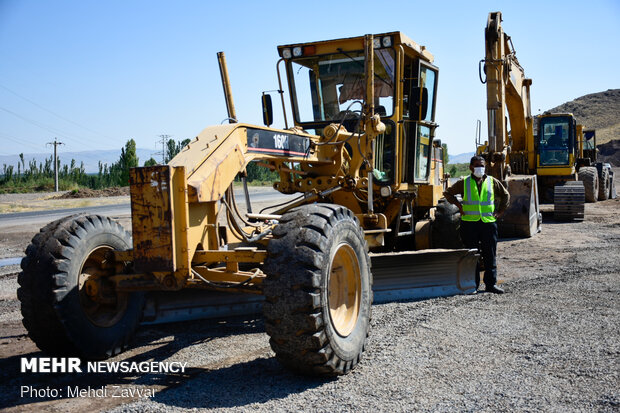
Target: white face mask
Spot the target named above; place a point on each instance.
(479, 171)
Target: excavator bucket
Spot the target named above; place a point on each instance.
(396, 276)
(522, 218)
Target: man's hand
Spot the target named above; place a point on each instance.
(498, 214)
(460, 207)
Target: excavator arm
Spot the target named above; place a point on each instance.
(510, 156)
(508, 94)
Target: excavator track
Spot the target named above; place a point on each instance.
(568, 201)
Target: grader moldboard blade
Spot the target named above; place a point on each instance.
(396, 276)
(522, 218)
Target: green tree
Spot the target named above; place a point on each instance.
(150, 162)
(128, 159)
(173, 148)
(446, 157)
(453, 171)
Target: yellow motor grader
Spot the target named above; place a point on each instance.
(362, 156)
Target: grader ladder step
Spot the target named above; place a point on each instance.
(396, 276)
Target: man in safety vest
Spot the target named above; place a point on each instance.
(484, 200)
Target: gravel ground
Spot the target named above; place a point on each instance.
(551, 343)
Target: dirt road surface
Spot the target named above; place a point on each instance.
(551, 343)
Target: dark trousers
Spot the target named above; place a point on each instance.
(482, 236)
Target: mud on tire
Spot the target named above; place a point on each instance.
(60, 318)
(318, 257)
(589, 176)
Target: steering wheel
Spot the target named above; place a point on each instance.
(347, 115)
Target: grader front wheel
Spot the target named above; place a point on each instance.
(318, 290)
(68, 306)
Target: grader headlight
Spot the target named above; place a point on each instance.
(286, 53)
(297, 52)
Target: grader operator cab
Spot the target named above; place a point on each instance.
(363, 158)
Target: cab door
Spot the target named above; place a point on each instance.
(419, 122)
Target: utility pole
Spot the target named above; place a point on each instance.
(164, 141)
(55, 143)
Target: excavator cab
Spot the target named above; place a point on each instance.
(556, 141)
(589, 144)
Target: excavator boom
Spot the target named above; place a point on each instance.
(510, 156)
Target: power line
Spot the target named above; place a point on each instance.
(43, 126)
(55, 143)
(164, 144)
(51, 112)
(20, 141)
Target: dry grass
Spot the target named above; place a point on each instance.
(599, 111)
(28, 205)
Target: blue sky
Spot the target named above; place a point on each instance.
(96, 73)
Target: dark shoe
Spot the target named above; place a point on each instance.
(494, 289)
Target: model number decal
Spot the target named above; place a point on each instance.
(280, 141)
(277, 143)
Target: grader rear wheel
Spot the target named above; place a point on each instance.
(318, 290)
(68, 305)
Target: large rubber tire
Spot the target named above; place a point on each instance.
(60, 317)
(603, 185)
(446, 226)
(316, 248)
(589, 176)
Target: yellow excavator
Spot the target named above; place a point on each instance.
(548, 166)
(361, 155)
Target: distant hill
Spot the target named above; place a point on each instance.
(600, 111)
(460, 158)
(90, 158)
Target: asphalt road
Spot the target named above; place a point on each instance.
(32, 221)
(120, 210)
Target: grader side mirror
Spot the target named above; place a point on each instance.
(267, 110)
(418, 103)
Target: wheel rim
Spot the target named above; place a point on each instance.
(108, 307)
(345, 290)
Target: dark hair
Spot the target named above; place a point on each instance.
(475, 158)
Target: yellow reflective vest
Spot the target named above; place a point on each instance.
(477, 206)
